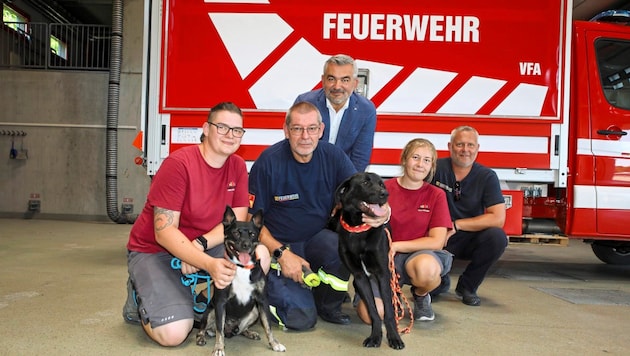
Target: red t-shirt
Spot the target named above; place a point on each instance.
(414, 212)
(187, 184)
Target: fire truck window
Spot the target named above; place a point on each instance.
(613, 58)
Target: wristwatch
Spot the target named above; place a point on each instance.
(277, 253)
(202, 241)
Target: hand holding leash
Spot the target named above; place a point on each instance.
(291, 266)
(309, 277)
(187, 268)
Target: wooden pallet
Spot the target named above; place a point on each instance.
(552, 240)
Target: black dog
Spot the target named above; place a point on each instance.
(365, 250)
(238, 306)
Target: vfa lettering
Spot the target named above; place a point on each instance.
(529, 68)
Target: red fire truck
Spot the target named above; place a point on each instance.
(549, 96)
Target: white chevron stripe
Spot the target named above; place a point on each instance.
(249, 38)
(291, 75)
(525, 100)
(415, 93)
(471, 96)
(380, 74)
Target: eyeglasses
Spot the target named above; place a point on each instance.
(298, 130)
(224, 129)
(458, 191)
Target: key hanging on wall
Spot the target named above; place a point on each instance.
(22, 153)
(13, 153)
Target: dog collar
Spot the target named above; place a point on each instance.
(249, 266)
(360, 228)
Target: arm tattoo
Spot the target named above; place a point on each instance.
(162, 218)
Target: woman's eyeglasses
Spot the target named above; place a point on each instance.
(458, 191)
(224, 129)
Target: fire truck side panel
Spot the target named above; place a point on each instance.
(550, 97)
(429, 68)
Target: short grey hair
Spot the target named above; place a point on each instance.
(342, 60)
(303, 107)
(463, 128)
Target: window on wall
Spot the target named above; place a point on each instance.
(10, 14)
(14, 19)
(58, 47)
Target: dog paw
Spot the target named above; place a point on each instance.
(396, 343)
(373, 341)
(277, 347)
(218, 352)
(251, 334)
(201, 340)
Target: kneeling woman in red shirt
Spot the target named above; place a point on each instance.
(419, 223)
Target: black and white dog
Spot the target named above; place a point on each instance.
(365, 250)
(238, 306)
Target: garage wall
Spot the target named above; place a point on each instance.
(64, 116)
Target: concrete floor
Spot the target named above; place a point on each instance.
(63, 287)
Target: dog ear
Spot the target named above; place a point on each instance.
(257, 219)
(228, 217)
(341, 190)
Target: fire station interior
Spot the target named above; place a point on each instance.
(64, 259)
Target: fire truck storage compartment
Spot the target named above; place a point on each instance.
(514, 212)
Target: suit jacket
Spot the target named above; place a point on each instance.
(356, 131)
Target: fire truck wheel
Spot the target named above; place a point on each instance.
(612, 252)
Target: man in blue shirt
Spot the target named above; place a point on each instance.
(294, 181)
(349, 118)
(477, 208)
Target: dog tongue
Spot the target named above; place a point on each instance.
(244, 258)
(377, 210)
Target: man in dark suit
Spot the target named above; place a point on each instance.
(349, 119)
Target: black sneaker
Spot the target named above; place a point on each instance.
(422, 307)
(468, 297)
(130, 309)
(336, 317)
(444, 286)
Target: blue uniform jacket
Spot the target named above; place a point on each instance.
(356, 132)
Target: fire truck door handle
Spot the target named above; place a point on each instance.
(610, 132)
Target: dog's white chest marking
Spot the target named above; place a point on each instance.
(241, 285)
(365, 269)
